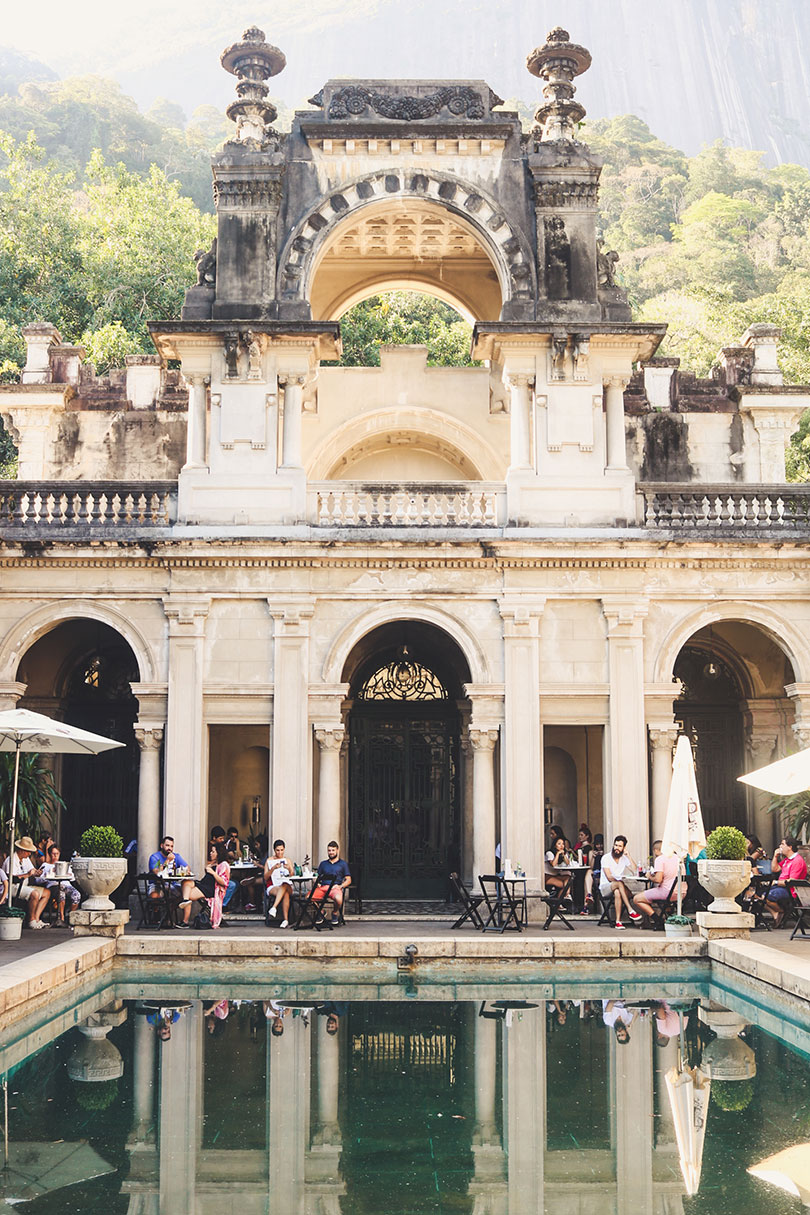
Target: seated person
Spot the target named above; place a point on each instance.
(62, 891)
(160, 860)
(556, 856)
(214, 878)
(788, 864)
(331, 868)
(594, 873)
(233, 842)
(43, 844)
(584, 842)
(616, 866)
(278, 870)
(756, 855)
(218, 837)
(664, 872)
(618, 1017)
(36, 897)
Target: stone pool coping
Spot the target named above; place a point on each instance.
(29, 983)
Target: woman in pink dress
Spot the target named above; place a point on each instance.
(663, 874)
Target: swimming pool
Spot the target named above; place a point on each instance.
(615, 1094)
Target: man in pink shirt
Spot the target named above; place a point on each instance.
(789, 865)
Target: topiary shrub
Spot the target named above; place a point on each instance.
(101, 841)
(96, 1095)
(726, 844)
(732, 1095)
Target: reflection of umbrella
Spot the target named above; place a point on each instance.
(513, 1004)
(37, 1168)
(21, 730)
(789, 1170)
(684, 833)
(688, 1091)
(785, 777)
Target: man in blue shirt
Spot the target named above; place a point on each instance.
(164, 856)
(335, 868)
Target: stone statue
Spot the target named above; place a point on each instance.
(559, 346)
(231, 356)
(580, 349)
(206, 260)
(558, 259)
(605, 265)
(254, 353)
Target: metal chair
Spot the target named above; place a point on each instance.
(470, 903)
(156, 911)
(503, 909)
(661, 908)
(800, 888)
(313, 912)
(555, 904)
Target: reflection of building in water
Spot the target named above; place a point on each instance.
(433, 1093)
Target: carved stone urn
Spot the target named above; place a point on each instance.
(728, 1057)
(98, 876)
(95, 1058)
(725, 880)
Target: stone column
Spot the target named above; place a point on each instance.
(632, 1113)
(662, 743)
(291, 434)
(329, 742)
(525, 1110)
(181, 1088)
(291, 798)
(289, 1068)
(143, 1082)
(522, 740)
(10, 693)
(759, 750)
(488, 1184)
(150, 740)
(614, 410)
(39, 337)
(626, 808)
(195, 434)
(483, 849)
(186, 803)
(519, 385)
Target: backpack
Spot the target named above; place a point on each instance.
(202, 920)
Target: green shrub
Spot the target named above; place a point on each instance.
(726, 844)
(101, 841)
(732, 1095)
(96, 1094)
(9, 913)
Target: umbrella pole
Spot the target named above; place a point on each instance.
(13, 819)
(5, 1123)
(680, 887)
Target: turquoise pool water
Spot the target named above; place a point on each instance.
(639, 1097)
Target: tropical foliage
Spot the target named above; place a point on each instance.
(38, 802)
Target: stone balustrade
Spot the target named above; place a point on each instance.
(450, 504)
(726, 508)
(86, 505)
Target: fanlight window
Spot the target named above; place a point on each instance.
(402, 679)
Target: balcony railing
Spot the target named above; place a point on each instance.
(87, 505)
(447, 504)
(725, 508)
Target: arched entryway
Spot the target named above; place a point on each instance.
(405, 721)
(80, 672)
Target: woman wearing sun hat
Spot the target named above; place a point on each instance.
(35, 896)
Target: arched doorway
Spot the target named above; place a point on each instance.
(80, 672)
(405, 814)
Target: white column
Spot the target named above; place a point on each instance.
(662, 743)
(626, 809)
(186, 810)
(632, 1110)
(291, 794)
(329, 743)
(614, 409)
(525, 1110)
(150, 740)
(759, 751)
(289, 1065)
(291, 433)
(195, 434)
(10, 692)
(143, 1081)
(483, 849)
(522, 741)
(181, 1088)
(519, 428)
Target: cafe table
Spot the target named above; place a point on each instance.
(577, 883)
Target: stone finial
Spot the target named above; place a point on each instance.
(557, 62)
(252, 61)
(39, 338)
(763, 339)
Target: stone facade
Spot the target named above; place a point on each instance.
(552, 532)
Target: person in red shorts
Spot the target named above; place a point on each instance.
(335, 868)
(788, 864)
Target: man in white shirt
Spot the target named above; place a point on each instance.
(35, 896)
(616, 866)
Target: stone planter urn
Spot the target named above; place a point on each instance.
(728, 1056)
(95, 1058)
(677, 930)
(725, 880)
(98, 876)
(10, 927)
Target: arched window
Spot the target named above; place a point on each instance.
(402, 679)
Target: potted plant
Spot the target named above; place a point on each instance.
(100, 866)
(11, 922)
(726, 872)
(678, 926)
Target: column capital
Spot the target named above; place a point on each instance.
(483, 740)
(519, 379)
(149, 737)
(663, 738)
(291, 619)
(801, 732)
(616, 380)
(10, 692)
(186, 617)
(624, 617)
(760, 746)
(289, 379)
(521, 619)
(331, 739)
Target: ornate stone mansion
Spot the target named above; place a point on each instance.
(421, 609)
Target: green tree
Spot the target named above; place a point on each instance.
(404, 318)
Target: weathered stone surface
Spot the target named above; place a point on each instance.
(98, 923)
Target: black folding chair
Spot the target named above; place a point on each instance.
(503, 909)
(661, 908)
(554, 900)
(470, 903)
(158, 910)
(316, 913)
(754, 903)
(608, 908)
(800, 888)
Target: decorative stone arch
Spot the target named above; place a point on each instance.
(435, 431)
(508, 249)
(21, 636)
(388, 613)
(793, 643)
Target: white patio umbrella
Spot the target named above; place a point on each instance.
(684, 833)
(21, 730)
(785, 777)
(688, 1089)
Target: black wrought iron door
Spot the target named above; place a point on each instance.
(403, 807)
